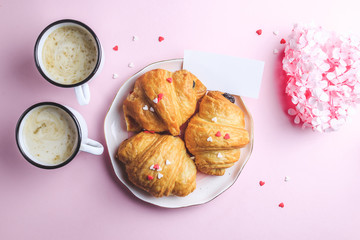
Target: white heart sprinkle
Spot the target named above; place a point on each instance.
(159, 169)
(219, 155)
(286, 179)
(114, 76)
(155, 100)
(214, 119)
(135, 38)
(152, 109)
(160, 175)
(275, 51)
(192, 157)
(167, 162)
(276, 33)
(131, 65)
(152, 167)
(209, 139)
(145, 107)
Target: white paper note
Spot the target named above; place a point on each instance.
(234, 75)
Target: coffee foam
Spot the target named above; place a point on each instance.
(69, 54)
(49, 135)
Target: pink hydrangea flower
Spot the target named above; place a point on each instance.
(323, 70)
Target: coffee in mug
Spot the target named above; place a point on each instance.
(49, 135)
(68, 54)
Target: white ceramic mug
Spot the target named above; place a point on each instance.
(82, 90)
(80, 131)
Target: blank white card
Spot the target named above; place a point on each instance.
(234, 75)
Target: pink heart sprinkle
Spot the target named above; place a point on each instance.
(149, 177)
(282, 41)
(261, 183)
(218, 134)
(161, 39)
(227, 136)
(169, 80)
(259, 32)
(116, 48)
(160, 96)
(281, 205)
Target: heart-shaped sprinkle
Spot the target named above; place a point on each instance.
(152, 167)
(276, 33)
(146, 131)
(152, 109)
(219, 155)
(116, 48)
(259, 32)
(161, 39)
(218, 134)
(261, 183)
(282, 41)
(227, 136)
(209, 139)
(160, 96)
(169, 80)
(214, 119)
(149, 177)
(281, 205)
(156, 166)
(287, 179)
(160, 175)
(114, 76)
(155, 100)
(131, 65)
(167, 162)
(145, 107)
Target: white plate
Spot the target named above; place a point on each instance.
(208, 187)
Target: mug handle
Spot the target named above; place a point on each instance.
(83, 94)
(92, 146)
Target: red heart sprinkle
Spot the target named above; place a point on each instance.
(160, 96)
(281, 205)
(227, 136)
(218, 134)
(161, 39)
(283, 41)
(156, 166)
(116, 48)
(169, 80)
(149, 177)
(146, 131)
(261, 183)
(259, 32)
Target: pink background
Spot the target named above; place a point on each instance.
(84, 200)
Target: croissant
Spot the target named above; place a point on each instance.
(158, 164)
(162, 101)
(216, 134)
